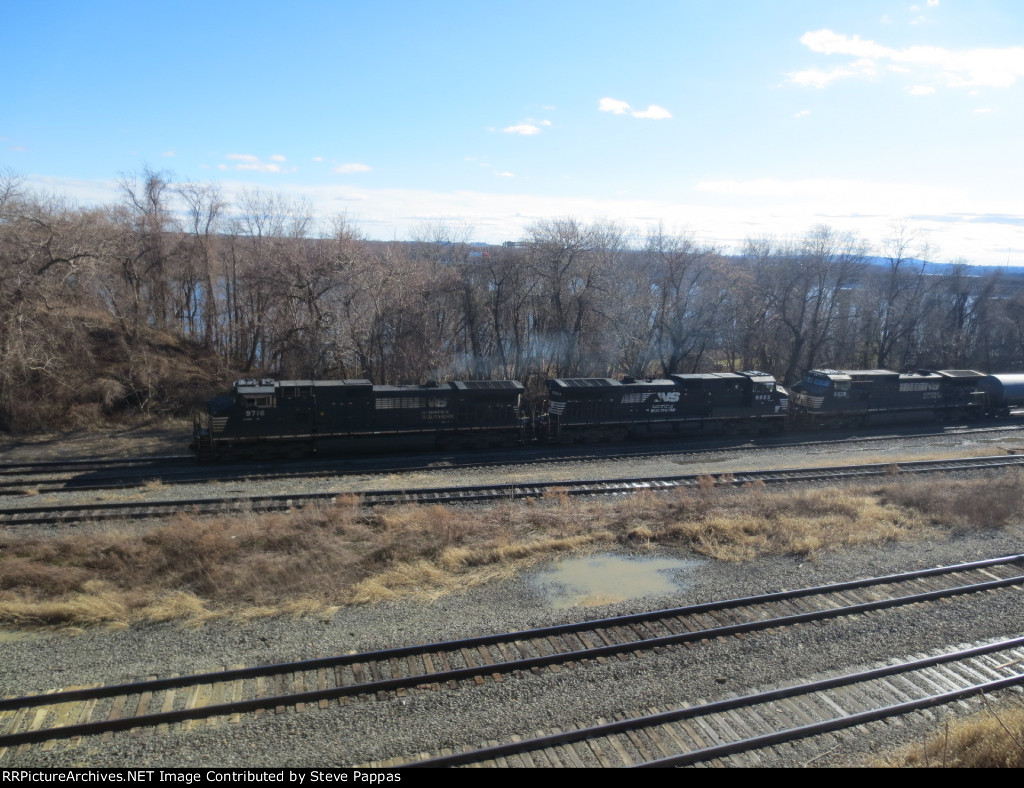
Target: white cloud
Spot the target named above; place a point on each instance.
(614, 106)
(995, 68)
(840, 194)
(346, 169)
(168, 154)
(505, 174)
(525, 129)
(653, 112)
(246, 161)
(318, 158)
(719, 217)
(819, 78)
(802, 113)
(829, 43)
(259, 166)
(921, 90)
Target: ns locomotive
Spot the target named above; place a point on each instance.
(853, 398)
(294, 418)
(302, 417)
(594, 409)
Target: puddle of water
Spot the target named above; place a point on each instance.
(605, 579)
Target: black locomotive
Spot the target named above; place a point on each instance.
(302, 417)
(595, 409)
(853, 398)
(292, 418)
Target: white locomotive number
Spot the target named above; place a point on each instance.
(253, 414)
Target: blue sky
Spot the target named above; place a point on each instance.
(729, 119)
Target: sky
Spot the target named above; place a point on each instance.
(726, 120)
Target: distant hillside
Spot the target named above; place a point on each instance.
(938, 269)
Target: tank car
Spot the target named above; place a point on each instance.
(849, 398)
(290, 418)
(1004, 391)
(596, 409)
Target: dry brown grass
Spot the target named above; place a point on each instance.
(248, 565)
(990, 739)
(993, 503)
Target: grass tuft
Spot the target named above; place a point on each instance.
(992, 738)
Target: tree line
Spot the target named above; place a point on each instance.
(150, 303)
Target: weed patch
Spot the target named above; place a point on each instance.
(993, 738)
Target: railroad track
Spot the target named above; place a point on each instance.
(744, 731)
(64, 717)
(56, 514)
(83, 475)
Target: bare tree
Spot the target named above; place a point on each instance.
(574, 266)
(197, 306)
(686, 278)
(807, 289)
(895, 301)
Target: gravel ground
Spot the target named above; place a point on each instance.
(392, 727)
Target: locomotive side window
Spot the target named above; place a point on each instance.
(258, 402)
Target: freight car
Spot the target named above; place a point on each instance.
(596, 409)
(1004, 391)
(292, 418)
(852, 398)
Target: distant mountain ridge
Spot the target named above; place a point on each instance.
(939, 269)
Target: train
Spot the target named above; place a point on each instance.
(295, 418)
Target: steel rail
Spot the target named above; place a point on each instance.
(729, 704)
(148, 720)
(382, 655)
(491, 492)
